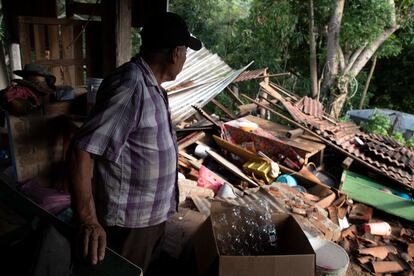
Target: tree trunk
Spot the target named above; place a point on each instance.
(338, 97)
(334, 27)
(312, 45)
(364, 93)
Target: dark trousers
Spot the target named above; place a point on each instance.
(141, 246)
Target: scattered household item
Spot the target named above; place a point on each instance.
(378, 228)
(259, 169)
(331, 259)
(33, 70)
(366, 190)
(248, 126)
(299, 188)
(64, 93)
(292, 247)
(403, 195)
(226, 191)
(207, 179)
(51, 200)
(288, 179)
(201, 151)
(189, 188)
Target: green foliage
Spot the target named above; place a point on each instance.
(213, 21)
(398, 136)
(344, 119)
(381, 124)
(393, 85)
(377, 124)
(410, 142)
(135, 41)
(363, 21)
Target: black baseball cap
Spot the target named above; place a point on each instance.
(167, 30)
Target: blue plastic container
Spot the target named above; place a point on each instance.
(288, 179)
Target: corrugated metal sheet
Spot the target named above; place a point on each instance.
(203, 77)
(249, 75)
(386, 154)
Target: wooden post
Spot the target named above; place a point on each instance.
(116, 33)
(123, 32)
(264, 96)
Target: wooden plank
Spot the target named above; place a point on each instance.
(247, 108)
(54, 49)
(39, 41)
(68, 52)
(78, 54)
(231, 167)
(294, 133)
(224, 109)
(366, 190)
(231, 93)
(190, 139)
(207, 116)
(24, 38)
(239, 151)
(268, 125)
(47, 20)
(122, 32)
(37, 148)
(62, 62)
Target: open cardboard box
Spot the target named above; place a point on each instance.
(294, 254)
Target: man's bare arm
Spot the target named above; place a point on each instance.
(93, 236)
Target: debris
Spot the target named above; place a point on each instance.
(360, 212)
(365, 259)
(410, 250)
(378, 228)
(380, 252)
(386, 267)
(327, 201)
(350, 232)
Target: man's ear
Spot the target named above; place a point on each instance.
(175, 55)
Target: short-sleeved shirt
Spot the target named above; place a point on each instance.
(130, 135)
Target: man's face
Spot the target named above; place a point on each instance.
(179, 57)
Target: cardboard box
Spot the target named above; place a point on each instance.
(293, 255)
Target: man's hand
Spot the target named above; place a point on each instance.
(94, 241)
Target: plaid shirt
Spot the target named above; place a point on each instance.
(130, 134)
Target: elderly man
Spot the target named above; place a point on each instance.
(131, 139)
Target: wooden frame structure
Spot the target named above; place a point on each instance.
(55, 44)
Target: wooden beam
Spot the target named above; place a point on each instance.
(62, 62)
(294, 133)
(231, 92)
(48, 21)
(190, 139)
(24, 39)
(122, 32)
(231, 167)
(224, 109)
(207, 116)
(324, 140)
(54, 50)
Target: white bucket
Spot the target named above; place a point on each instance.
(331, 259)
